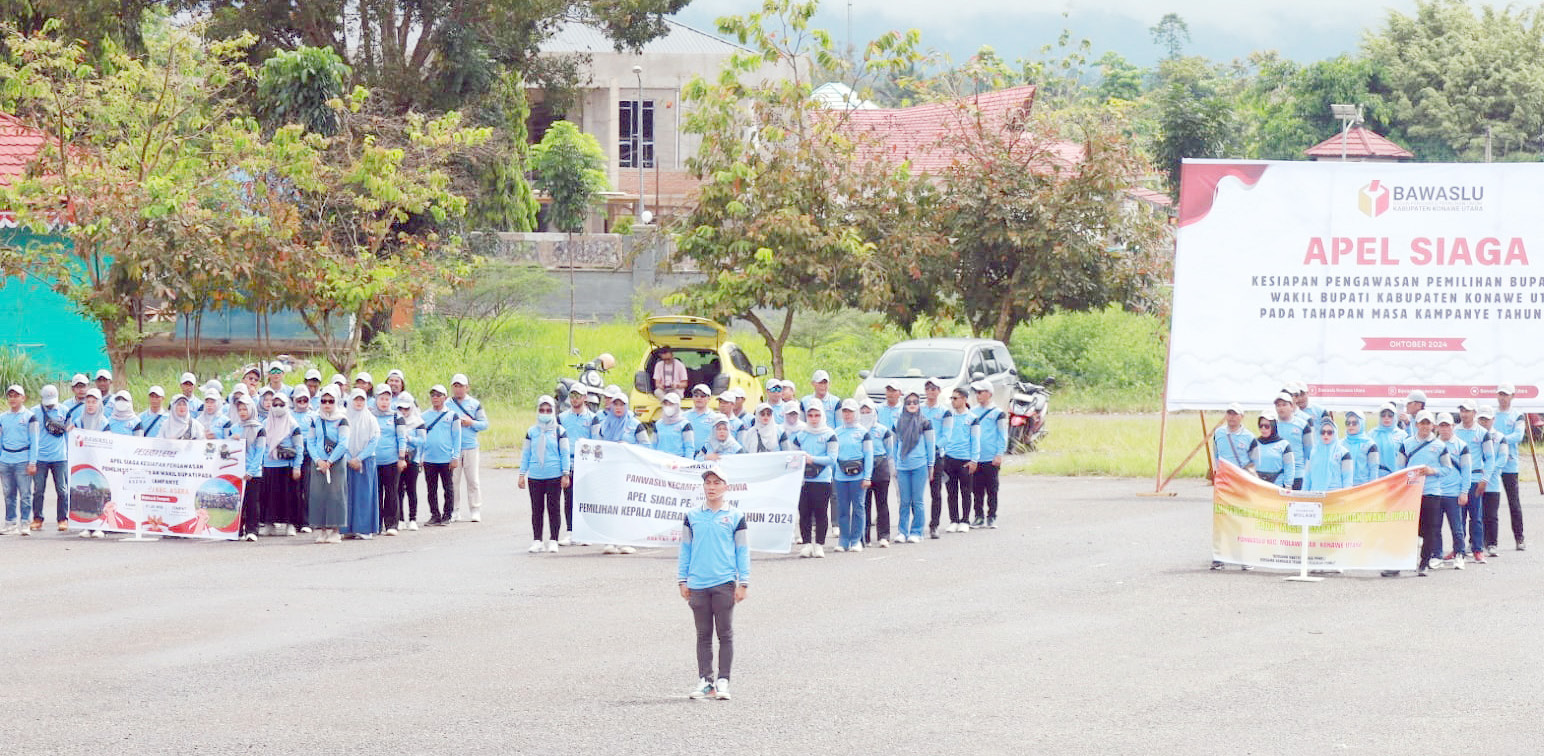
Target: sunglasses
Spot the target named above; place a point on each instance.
(328, 401)
(1326, 433)
(913, 403)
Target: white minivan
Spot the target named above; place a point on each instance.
(951, 362)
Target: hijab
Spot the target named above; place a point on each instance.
(251, 426)
(791, 410)
(279, 425)
(908, 425)
(363, 429)
(93, 421)
(1269, 437)
(375, 404)
(178, 424)
(1324, 462)
(716, 446)
(123, 408)
(611, 426)
(816, 426)
(414, 419)
(546, 425)
(671, 401)
(866, 414)
(766, 432)
(322, 411)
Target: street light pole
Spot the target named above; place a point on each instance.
(638, 139)
(1348, 115)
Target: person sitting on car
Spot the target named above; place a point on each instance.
(669, 373)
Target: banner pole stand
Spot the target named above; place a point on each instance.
(139, 535)
(1533, 449)
(1302, 575)
(1163, 430)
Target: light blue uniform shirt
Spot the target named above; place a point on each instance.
(1501, 456)
(294, 442)
(19, 437)
(884, 414)
(557, 460)
(992, 427)
(961, 438)
(623, 430)
(1512, 424)
(577, 424)
(1276, 462)
(150, 422)
(852, 444)
(714, 548)
(923, 455)
(1388, 440)
(334, 431)
(1475, 439)
(702, 424)
(392, 443)
(678, 438)
(1299, 435)
(1236, 447)
(830, 403)
(821, 445)
(1430, 452)
(1455, 480)
(442, 441)
(51, 448)
(473, 409)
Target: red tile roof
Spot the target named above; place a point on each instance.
(19, 145)
(1360, 142)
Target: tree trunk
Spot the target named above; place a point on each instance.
(774, 342)
(1006, 317)
(117, 352)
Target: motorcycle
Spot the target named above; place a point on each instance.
(591, 380)
(1027, 415)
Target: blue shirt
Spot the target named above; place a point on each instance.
(884, 414)
(442, 436)
(992, 427)
(678, 438)
(853, 445)
(1430, 452)
(714, 549)
(1236, 447)
(1511, 424)
(1364, 457)
(1476, 441)
(1455, 480)
(1387, 439)
(1299, 435)
(150, 422)
(822, 446)
(1275, 461)
(19, 437)
(392, 443)
(884, 441)
(1501, 456)
(329, 432)
(623, 430)
(577, 424)
(920, 456)
(702, 423)
(557, 459)
(51, 448)
(473, 409)
(295, 442)
(960, 436)
(830, 403)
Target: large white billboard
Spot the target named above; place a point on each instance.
(1363, 280)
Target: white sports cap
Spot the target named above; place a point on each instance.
(1236, 408)
(1424, 416)
(157, 391)
(459, 379)
(104, 373)
(1444, 418)
(820, 375)
(188, 378)
(438, 388)
(1506, 388)
(313, 375)
(1416, 396)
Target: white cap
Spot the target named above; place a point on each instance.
(820, 375)
(188, 378)
(363, 376)
(892, 385)
(980, 386)
(1388, 407)
(104, 373)
(300, 392)
(49, 395)
(1486, 412)
(1468, 404)
(812, 405)
(788, 385)
(715, 471)
(1444, 418)
(1416, 396)
(727, 396)
(240, 389)
(672, 397)
(358, 393)
(16, 389)
(439, 388)
(215, 395)
(405, 401)
(313, 375)
(790, 408)
(737, 392)
(214, 385)
(157, 391)
(1424, 416)
(395, 373)
(1506, 388)
(459, 379)
(279, 366)
(545, 401)
(849, 405)
(124, 395)
(79, 380)
(338, 378)
(94, 393)
(1236, 408)
(703, 387)
(252, 369)
(774, 384)
(1282, 397)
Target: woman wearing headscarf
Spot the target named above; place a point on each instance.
(792, 420)
(876, 501)
(819, 445)
(413, 425)
(363, 490)
(250, 430)
(763, 434)
(328, 445)
(89, 415)
(673, 434)
(390, 458)
(618, 425)
(854, 474)
(1364, 453)
(300, 403)
(1329, 465)
(123, 420)
(284, 453)
(544, 472)
(180, 425)
(914, 450)
(1276, 463)
(216, 424)
(720, 442)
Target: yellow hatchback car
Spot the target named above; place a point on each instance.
(703, 346)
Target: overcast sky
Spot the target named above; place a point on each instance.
(1303, 30)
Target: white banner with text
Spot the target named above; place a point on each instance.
(183, 488)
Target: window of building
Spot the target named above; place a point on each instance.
(632, 143)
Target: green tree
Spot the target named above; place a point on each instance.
(1119, 79)
(570, 167)
(295, 86)
(1172, 34)
(1284, 108)
(91, 21)
(1195, 106)
(1456, 72)
(504, 201)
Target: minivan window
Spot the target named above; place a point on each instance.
(977, 365)
(740, 361)
(932, 363)
(992, 368)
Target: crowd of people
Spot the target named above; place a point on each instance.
(333, 459)
(853, 448)
(1469, 461)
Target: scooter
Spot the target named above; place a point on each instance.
(1027, 415)
(592, 377)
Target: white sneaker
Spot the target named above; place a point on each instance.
(721, 689)
(627, 550)
(251, 538)
(333, 536)
(806, 551)
(611, 548)
(9, 528)
(476, 514)
(1458, 561)
(565, 542)
(366, 536)
(391, 531)
(1434, 563)
(536, 547)
(964, 527)
(265, 530)
(321, 536)
(856, 547)
(838, 548)
(412, 524)
(24, 531)
(98, 534)
(820, 551)
(552, 547)
(884, 543)
(289, 530)
(303, 529)
(85, 534)
(914, 539)
(701, 690)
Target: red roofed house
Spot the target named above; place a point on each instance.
(34, 319)
(1359, 144)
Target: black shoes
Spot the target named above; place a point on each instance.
(932, 533)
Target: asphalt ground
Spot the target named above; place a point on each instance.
(1087, 623)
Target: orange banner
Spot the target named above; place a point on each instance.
(1370, 527)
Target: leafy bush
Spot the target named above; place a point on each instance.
(19, 369)
(1108, 350)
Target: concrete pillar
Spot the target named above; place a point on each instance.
(612, 133)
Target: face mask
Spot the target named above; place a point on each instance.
(866, 419)
(671, 411)
(545, 419)
(278, 411)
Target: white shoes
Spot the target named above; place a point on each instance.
(721, 689)
(304, 529)
(98, 534)
(412, 524)
(856, 547)
(9, 528)
(265, 530)
(391, 531)
(838, 548)
(964, 527)
(807, 551)
(85, 534)
(366, 536)
(884, 543)
(914, 539)
(1458, 561)
(627, 550)
(820, 551)
(611, 548)
(536, 547)
(250, 537)
(552, 547)
(701, 690)
(321, 536)
(565, 542)
(476, 514)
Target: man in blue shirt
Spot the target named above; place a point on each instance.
(53, 456)
(576, 422)
(473, 421)
(992, 427)
(18, 460)
(961, 442)
(442, 454)
(713, 573)
(1512, 425)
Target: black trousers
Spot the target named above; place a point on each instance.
(387, 484)
(984, 487)
(546, 499)
(814, 497)
(876, 500)
(251, 506)
(1490, 515)
(958, 484)
(568, 507)
(713, 610)
(438, 474)
(407, 489)
(279, 503)
(935, 488)
(1431, 529)
(303, 494)
(1514, 504)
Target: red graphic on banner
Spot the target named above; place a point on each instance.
(1411, 344)
(1198, 185)
(1433, 393)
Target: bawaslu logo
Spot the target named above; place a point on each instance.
(1378, 198)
